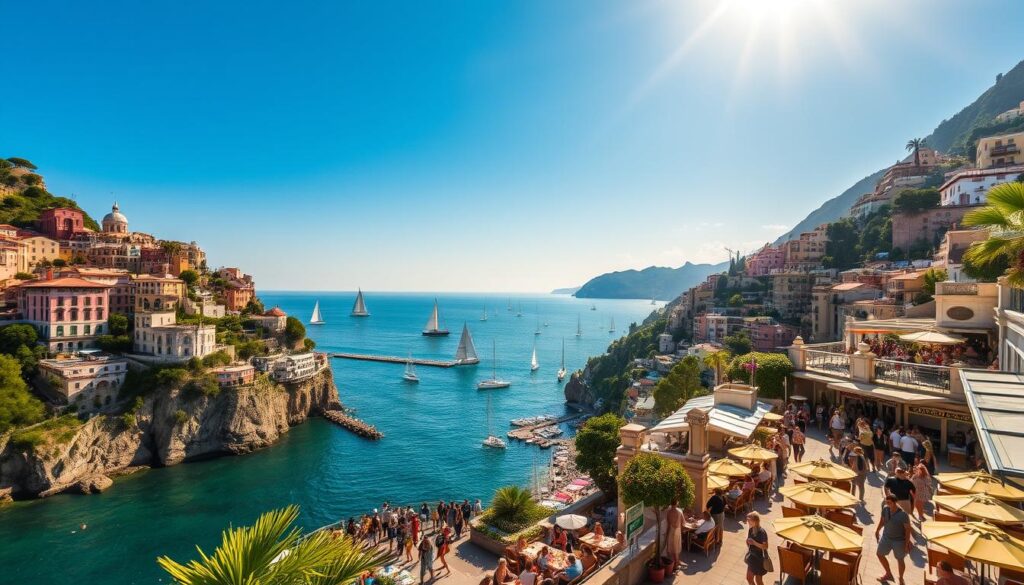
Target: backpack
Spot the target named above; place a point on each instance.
(439, 540)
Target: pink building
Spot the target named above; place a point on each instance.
(767, 337)
(61, 223)
(236, 375)
(762, 262)
(68, 313)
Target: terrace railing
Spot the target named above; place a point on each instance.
(911, 375)
(829, 362)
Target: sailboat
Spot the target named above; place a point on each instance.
(519, 310)
(561, 370)
(534, 366)
(410, 371)
(466, 354)
(611, 328)
(653, 302)
(317, 318)
(537, 330)
(510, 305)
(433, 327)
(579, 327)
(484, 316)
(359, 308)
(593, 307)
(491, 440)
(494, 382)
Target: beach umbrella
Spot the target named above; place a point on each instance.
(816, 494)
(980, 482)
(753, 453)
(932, 338)
(982, 506)
(772, 417)
(823, 470)
(728, 467)
(818, 533)
(978, 541)
(717, 482)
(571, 521)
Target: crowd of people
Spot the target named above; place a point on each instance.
(974, 351)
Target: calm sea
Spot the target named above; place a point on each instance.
(432, 448)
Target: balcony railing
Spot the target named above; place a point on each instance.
(911, 375)
(1005, 149)
(957, 288)
(828, 362)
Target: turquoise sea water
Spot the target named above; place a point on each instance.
(431, 449)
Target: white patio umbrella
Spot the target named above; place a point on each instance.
(571, 521)
(932, 337)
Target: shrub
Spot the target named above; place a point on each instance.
(17, 405)
(58, 430)
(513, 510)
(770, 372)
(128, 420)
(294, 331)
(205, 385)
(596, 443)
(180, 416)
(219, 358)
(656, 482)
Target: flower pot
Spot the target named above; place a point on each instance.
(655, 572)
(669, 565)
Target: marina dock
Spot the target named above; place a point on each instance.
(394, 359)
(526, 433)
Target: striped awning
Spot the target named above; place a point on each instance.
(724, 418)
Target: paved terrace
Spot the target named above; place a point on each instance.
(725, 564)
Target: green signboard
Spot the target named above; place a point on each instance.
(634, 520)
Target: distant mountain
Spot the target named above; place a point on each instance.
(565, 291)
(952, 135)
(654, 282)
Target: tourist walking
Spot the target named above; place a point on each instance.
(922, 481)
(928, 455)
(894, 463)
(716, 507)
(902, 490)
(675, 543)
(414, 527)
(837, 425)
(757, 559)
(866, 440)
(459, 522)
(819, 416)
(799, 440)
(857, 462)
(435, 519)
(893, 535)
(441, 542)
(426, 558)
(908, 448)
(878, 441)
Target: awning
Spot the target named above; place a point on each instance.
(996, 401)
(884, 393)
(723, 418)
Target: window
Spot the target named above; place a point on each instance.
(60, 331)
(74, 330)
(87, 332)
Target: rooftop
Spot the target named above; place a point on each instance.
(65, 282)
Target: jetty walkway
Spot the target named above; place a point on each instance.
(524, 433)
(394, 359)
(365, 430)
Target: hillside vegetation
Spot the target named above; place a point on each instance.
(654, 282)
(24, 196)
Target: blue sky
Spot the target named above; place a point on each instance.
(480, 145)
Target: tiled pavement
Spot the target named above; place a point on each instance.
(725, 565)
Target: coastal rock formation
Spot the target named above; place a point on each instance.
(577, 391)
(171, 427)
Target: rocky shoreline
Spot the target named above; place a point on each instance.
(171, 427)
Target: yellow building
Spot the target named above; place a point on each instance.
(157, 293)
(1000, 151)
(35, 249)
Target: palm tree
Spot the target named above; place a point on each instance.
(717, 360)
(915, 145)
(1003, 217)
(273, 552)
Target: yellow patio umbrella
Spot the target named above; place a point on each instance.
(823, 470)
(753, 453)
(980, 482)
(772, 417)
(818, 533)
(717, 482)
(978, 541)
(816, 494)
(728, 467)
(981, 506)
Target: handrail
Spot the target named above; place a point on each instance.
(827, 361)
(912, 375)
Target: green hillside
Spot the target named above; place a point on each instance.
(24, 196)
(654, 282)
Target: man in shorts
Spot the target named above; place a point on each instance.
(893, 534)
(901, 489)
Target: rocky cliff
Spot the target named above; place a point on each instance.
(577, 391)
(171, 427)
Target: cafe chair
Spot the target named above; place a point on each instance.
(794, 564)
(706, 542)
(835, 573)
(946, 516)
(936, 556)
(790, 512)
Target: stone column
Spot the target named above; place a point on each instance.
(697, 460)
(632, 439)
(796, 353)
(862, 364)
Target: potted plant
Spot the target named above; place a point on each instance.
(657, 482)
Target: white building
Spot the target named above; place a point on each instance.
(295, 367)
(158, 334)
(971, 187)
(665, 343)
(1011, 114)
(88, 382)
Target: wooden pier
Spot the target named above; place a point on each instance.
(394, 359)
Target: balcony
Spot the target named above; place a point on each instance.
(837, 364)
(911, 375)
(1003, 150)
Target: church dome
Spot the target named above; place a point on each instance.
(115, 221)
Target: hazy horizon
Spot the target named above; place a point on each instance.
(476, 146)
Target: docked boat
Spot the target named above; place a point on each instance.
(316, 318)
(494, 382)
(561, 370)
(534, 366)
(410, 371)
(492, 441)
(433, 327)
(359, 307)
(466, 353)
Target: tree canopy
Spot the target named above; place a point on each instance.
(18, 407)
(294, 331)
(596, 442)
(22, 163)
(681, 384)
(770, 372)
(738, 343)
(915, 200)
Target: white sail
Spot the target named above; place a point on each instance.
(579, 326)
(432, 322)
(533, 359)
(316, 318)
(484, 316)
(359, 308)
(466, 354)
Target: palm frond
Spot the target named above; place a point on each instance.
(995, 247)
(988, 217)
(1008, 198)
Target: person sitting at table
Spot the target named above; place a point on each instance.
(620, 542)
(946, 576)
(572, 571)
(544, 560)
(763, 474)
(598, 530)
(703, 532)
(558, 538)
(529, 574)
(502, 576)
